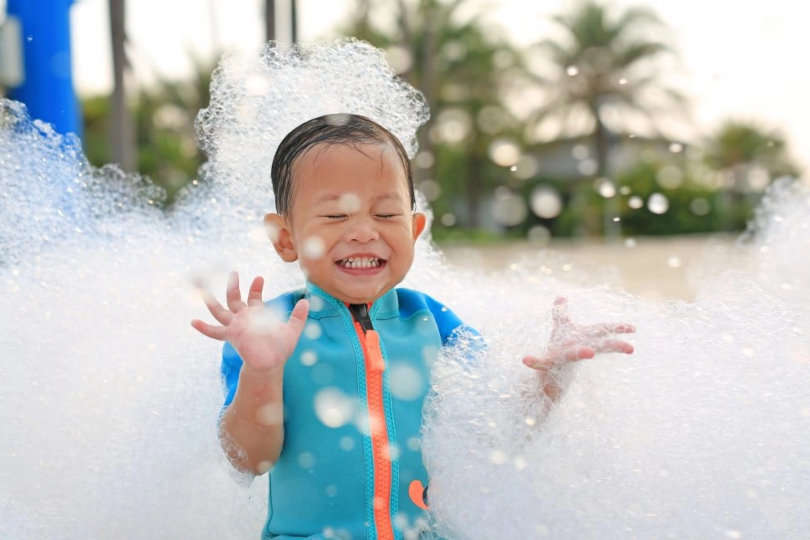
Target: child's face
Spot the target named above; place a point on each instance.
(350, 222)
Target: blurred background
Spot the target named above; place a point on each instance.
(627, 134)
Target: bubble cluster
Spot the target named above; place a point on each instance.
(257, 100)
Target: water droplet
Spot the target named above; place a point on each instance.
(430, 189)
(580, 151)
(635, 202)
(308, 358)
(257, 84)
(313, 247)
(675, 148)
(508, 208)
(606, 188)
(406, 382)
(546, 202)
(572, 71)
(539, 235)
(316, 303)
(700, 206)
(333, 408)
(658, 203)
(349, 203)
(448, 219)
(497, 457)
(674, 261)
(313, 330)
(669, 177)
(504, 152)
(347, 443)
(587, 167)
(306, 460)
(415, 443)
(271, 414)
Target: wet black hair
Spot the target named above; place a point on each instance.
(330, 129)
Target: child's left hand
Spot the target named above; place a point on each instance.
(571, 342)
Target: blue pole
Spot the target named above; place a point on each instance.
(47, 88)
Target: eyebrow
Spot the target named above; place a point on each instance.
(331, 197)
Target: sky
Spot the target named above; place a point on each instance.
(742, 60)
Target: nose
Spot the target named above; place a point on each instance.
(363, 230)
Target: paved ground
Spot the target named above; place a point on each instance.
(656, 267)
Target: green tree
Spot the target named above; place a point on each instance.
(164, 114)
(605, 66)
(465, 71)
(748, 154)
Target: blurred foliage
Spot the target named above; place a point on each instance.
(466, 71)
(475, 150)
(738, 146)
(605, 65)
(164, 114)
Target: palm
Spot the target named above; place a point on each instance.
(261, 338)
(570, 342)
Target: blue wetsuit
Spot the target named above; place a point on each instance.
(351, 465)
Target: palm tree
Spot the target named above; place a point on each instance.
(270, 20)
(739, 148)
(604, 67)
(461, 69)
(605, 64)
(121, 128)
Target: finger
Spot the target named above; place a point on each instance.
(559, 356)
(615, 345)
(232, 294)
(605, 329)
(298, 317)
(217, 310)
(255, 292)
(215, 332)
(559, 311)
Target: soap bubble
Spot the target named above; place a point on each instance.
(546, 202)
(658, 203)
(333, 407)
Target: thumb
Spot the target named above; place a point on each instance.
(298, 317)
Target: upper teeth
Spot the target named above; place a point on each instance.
(360, 262)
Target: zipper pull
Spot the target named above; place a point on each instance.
(374, 352)
(360, 314)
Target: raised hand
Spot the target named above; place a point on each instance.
(262, 340)
(571, 342)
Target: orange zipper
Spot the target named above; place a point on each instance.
(378, 429)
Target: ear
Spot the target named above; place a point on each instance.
(419, 222)
(281, 235)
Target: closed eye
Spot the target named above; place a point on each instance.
(334, 217)
(387, 216)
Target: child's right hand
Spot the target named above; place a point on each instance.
(263, 342)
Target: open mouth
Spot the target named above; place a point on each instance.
(361, 262)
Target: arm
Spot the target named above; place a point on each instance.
(252, 425)
(571, 343)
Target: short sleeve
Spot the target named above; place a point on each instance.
(231, 366)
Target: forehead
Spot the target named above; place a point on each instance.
(369, 166)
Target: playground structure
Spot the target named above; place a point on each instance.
(35, 61)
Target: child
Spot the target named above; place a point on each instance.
(345, 203)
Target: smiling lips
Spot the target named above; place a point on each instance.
(360, 263)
